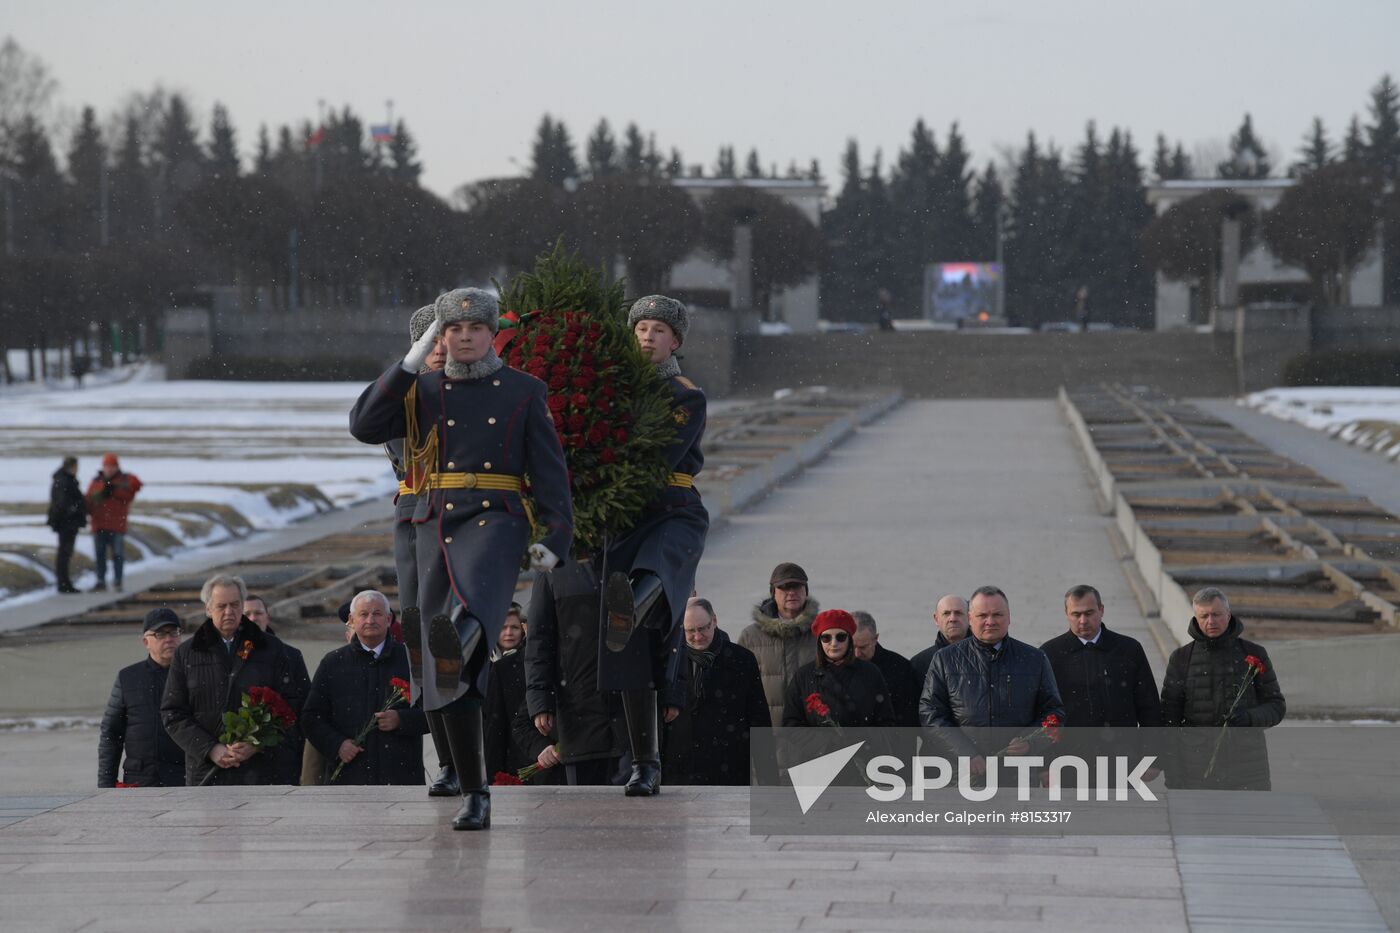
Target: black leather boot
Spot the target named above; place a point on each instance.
(452, 643)
(630, 603)
(445, 784)
(645, 736)
(411, 621)
(464, 736)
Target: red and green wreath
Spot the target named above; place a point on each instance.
(611, 410)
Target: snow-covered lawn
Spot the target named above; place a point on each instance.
(217, 460)
(1368, 417)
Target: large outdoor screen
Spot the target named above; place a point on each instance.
(961, 291)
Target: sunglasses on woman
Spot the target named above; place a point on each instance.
(837, 638)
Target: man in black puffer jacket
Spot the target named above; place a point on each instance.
(989, 680)
(1203, 678)
(132, 721)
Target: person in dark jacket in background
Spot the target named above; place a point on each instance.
(1106, 684)
(132, 722)
(561, 674)
(505, 695)
(290, 750)
(67, 516)
(351, 686)
(950, 616)
(988, 684)
(851, 691)
(894, 667)
(1203, 678)
(721, 700)
(209, 675)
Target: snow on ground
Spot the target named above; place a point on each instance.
(216, 459)
(1365, 416)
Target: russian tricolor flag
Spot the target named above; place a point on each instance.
(381, 132)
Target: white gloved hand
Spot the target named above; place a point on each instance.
(542, 558)
(413, 361)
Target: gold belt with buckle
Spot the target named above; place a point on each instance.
(499, 481)
(683, 480)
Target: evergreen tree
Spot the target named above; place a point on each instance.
(552, 158)
(37, 190)
(602, 151)
(914, 197)
(1170, 164)
(223, 145)
(634, 151)
(87, 164)
(793, 172)
(1039, 283)
(1247, 156)
(651, 159)
(1354, 145)
(131, 194)
(987, 200)
(753, 168)
(675, 166)
(724, 163)
(1383, 132)
(952, 181)
(403, 151)
(814, 171)
(1181, 163)
(176, 150)
(1315, 153)
(262, 160)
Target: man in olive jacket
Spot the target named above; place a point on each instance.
(1203, 679)
(132, 724)
(781, 634)
(209, 676)
(351, 686)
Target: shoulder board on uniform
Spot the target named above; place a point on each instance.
(685, 383)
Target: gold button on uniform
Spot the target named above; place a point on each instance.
(486, 465)
(482, 522)
(449, 506)
(486, 503)
(490, 420)
(451, 423)
(447, 540)
(495, 382)
(451, 465)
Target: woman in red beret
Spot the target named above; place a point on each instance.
(837, 688)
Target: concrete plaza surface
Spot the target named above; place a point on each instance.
(937, 497)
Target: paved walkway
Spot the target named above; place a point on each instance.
(939, 497)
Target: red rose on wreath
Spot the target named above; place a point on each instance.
(579, 400)
(557, 403)
(620, 435)
(607, 456)
(577, 423)
(609, 392)
(596, 435)
(573, 440)
(558, 383)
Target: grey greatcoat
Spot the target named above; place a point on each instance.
(667, 541)
(470, 540)
(405, 534)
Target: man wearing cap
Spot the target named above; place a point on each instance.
(471, 433)
(68, 515)
(651, 567)
(132, 723)
(109, 498)
(406, 555)
(780, 635)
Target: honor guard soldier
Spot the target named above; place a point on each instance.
(651, 567)
(471, 433)
(405, 559)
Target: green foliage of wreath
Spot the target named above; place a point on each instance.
(611, 410)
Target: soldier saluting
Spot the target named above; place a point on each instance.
(652, 565)
(471, 434)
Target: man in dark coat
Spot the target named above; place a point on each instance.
(989, 681)
(67, 517)
(721, 700)
(896, 669)
(1106, 684)
(209, 675)
(132, 723)
(289, 751)
(351, 686)
(950, 616)
(476, 429)
(561, 673)
(651, 567)
(406, 552)
(1203, 679)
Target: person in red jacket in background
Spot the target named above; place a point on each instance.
(109, 498)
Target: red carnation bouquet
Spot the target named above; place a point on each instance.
(261, 720)
(1049, 727)
(398, 693)
(611, 410)
(1253, 668)
(816, 706)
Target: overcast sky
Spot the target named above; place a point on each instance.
(794, 79)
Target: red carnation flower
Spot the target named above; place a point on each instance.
(557, 403)
(1254, 662)
(579, 400)
(502, 779)
(401, 685)
(577, 423)
(816, 707)
(620, 435)
(596, 435)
